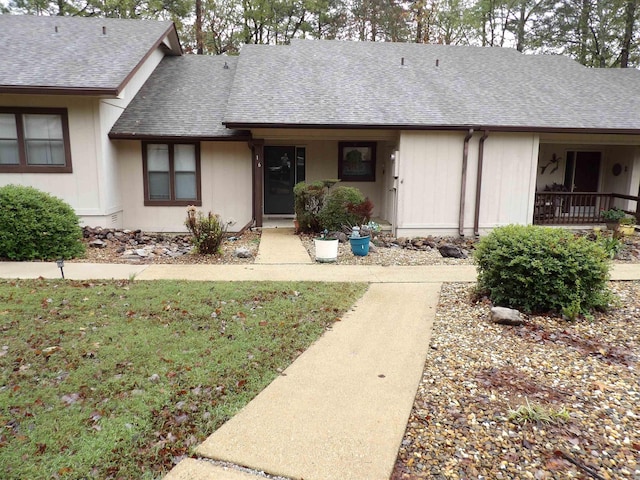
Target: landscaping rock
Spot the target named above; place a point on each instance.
(506, 316)
(341, 236)
(242, 252)
(97, 244)
(451, 251)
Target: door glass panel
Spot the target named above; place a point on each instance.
(301, 158)
(279, 176)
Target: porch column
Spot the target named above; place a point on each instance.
(257, 162)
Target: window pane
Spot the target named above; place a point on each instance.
(185, 186)
(159, 186)
(158, 158)
(45, 152)
(43, 127)
(9, 152)
(185, 158)
(8, 126)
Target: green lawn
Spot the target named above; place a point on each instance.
(120, 379)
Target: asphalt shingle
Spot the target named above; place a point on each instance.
(415, 85)
(79, 55)
(184, 97)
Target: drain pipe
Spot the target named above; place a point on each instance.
(463, 187)
(476, 218)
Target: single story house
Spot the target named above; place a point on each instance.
(110, 115)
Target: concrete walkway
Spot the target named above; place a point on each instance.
(281, 246)
(340, 410)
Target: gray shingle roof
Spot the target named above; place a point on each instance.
(338, 83)
(79, 56)
(184, 97)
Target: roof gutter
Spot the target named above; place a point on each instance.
(44, 90)
(476, 218)
(179, 138)
(463, 186)
(394, 126)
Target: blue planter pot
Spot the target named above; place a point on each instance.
(360, 246)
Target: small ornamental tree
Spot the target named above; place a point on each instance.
(37, 226)
(538, 269)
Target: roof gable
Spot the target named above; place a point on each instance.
(77, 55)
(185, 97)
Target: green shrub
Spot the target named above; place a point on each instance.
(538, 269)
(207, 230)
(340, 208)
(309, 200)
(613, 215)
(37, 226)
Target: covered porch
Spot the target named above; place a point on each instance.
(580, 176)
(284, 157)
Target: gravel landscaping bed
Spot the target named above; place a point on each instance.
(477, 372)
(419, 251)
(134, 246)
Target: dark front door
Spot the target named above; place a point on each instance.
(583, 175)
(587, 173)
(280, 176)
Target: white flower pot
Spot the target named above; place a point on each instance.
(326, 249)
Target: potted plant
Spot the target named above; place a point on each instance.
(612, 217)
(359, 243)
(627, 226)
(326, 248)
(360, 238)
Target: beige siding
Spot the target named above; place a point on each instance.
(226, 187)
(430, 182)
(508, 180)
(110, 111)
(92, 189)
(81, 189)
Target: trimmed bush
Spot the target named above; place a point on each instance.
(37, 226)
(340, 208)
(538, 269)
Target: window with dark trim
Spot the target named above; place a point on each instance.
(357, 161)
(34, 140)
(171, 174)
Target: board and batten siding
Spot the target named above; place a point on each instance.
(225, 182)
(430, 181)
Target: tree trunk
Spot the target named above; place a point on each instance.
(629, 22)
(198, 25)
(584, 32)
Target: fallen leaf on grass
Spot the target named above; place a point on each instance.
(70, 399)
